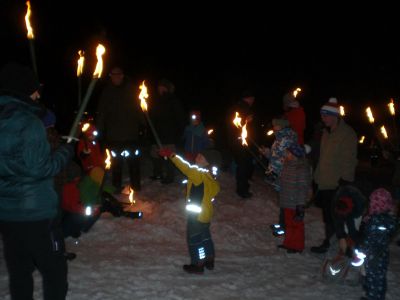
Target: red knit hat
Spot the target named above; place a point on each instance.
(331, 108)
(381, 201)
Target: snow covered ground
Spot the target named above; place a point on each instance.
(121, 258)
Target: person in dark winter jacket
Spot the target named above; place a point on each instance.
(348, 207)
(28, 201)
(379, 227)
(202, 187)
(195, 137)
(241, 155)
(169, 118)
(119, 122)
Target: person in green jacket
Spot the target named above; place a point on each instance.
(336, 165)
(202, 187)
(29, 203)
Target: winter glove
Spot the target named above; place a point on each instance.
(299, 216)
(165, 152)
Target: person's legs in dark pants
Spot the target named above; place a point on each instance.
(30, 244)
(244, 172)
(326, 203)
(116, 169)
(134, 171)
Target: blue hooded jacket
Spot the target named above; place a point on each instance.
(27, 165)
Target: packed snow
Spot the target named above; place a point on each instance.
(122, 258)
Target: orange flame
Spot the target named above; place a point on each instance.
(85, 127)
(210, 131)
(100, 50)
(384, 132)
(30, 34)
(296, 92)
(342, 112)
(270, 132)
(143, 96)
(391, 107)
(108, 160)
(361, 141)
(244, 135)
(81, 62)
(370, 115)
(237, 121)
(131, 193)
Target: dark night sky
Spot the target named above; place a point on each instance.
(212, 53)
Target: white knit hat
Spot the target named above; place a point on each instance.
(331, 108)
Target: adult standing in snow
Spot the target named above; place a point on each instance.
(28, 201)
(336, 165)
(241, 155)
(169, 120)
(119, 122)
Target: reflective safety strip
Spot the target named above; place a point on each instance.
(137, 152)
(184, 181)
(113, 154)
(214, 171)
(88, 210)
(125, 153)
(202, 253)
(382, 228)
(193, 208)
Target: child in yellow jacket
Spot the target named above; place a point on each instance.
(202, 187)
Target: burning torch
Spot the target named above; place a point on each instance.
(31, 37)
(237, 121)
(392, 112)
(79, 72)
(143, 104)
(100, 50)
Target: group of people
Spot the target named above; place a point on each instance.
(29, 210)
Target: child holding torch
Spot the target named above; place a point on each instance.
(202, 187)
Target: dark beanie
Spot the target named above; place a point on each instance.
(18, 79)
(213, 157)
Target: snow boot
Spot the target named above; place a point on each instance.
(194, 268)
(209, 263)
(323, 248)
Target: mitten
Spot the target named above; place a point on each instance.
(165, 152)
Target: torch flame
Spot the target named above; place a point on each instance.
(244, 135)
(270, 132)
(100, 50)
(296, 92)
(131, 192)
(143, 96)
(342, 112)
(108, 160)
(361, 141)
(237, 121)
(210, 131)
(28, 22)
(370, 115)
(81, 62)
(391, 107)
(384, 132)
(85, 127)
